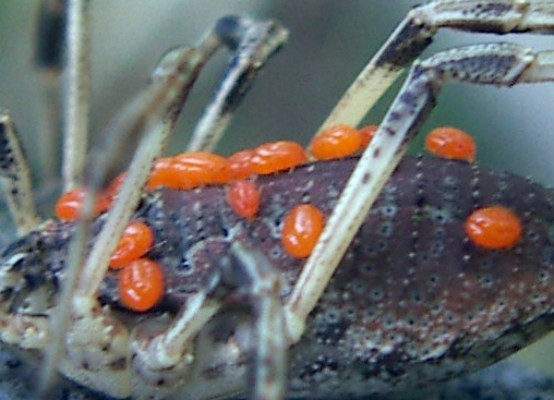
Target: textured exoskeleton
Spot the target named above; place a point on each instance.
(413, 301)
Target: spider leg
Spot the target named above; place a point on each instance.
(14, 167)
(253, 43)
(145, 124)
(168, 356)
(175, 72)
(77, 96)
(489, 64)
(17, 177)
(152, 115)
(49, 62)
(247, 275)
(270, 345)
(416, 32)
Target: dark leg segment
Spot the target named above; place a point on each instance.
(416, 32)
(253, 43)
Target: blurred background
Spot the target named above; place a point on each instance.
(330, 41)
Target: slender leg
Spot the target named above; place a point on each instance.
(145, 124)
(270, 347)
(248, 275)
(489, 64)
(416, 32)
(157, 106)
(49, 62)
(76, 118)
(254, 42)
(13, 165)
(17, 177)
(406, 43)
(152, 115)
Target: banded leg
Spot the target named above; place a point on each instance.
(17, 177)
(14, 167)
(416, 32)
(179, 68)
(148, 121)
(255, 42)
(153, 113)
(489, 64)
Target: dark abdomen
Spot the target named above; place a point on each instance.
(413, 299)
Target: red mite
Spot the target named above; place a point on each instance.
(494, 228)
(451, 143)
(301, 230)
(277, 156)
(136, 241)
(336, 142)
(244, 198)
(141, 284)
(189, 170)
(240, 164)
(70, 204)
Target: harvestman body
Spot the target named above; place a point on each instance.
(397, 312)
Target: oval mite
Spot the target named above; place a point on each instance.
(451, 143)
(494, 228)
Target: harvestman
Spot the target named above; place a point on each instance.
(149, 119)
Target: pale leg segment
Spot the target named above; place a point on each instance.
(415, 33)
(81, 284)
(148, 121)
(489, 64)
(76, 117)
(263, 290)
(251, 279)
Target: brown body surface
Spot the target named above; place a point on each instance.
(413, 301)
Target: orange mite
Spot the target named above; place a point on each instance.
(337, 142)
(115, 186)
(494, 228)
(367, 133)
(189, 170)
(164, 174)
(451, 143)
(240, 164)
(244, 198)
(69, 205)
(301, 230)
(277, 156)
(141, 285)
(136, 241)
(214, 167)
